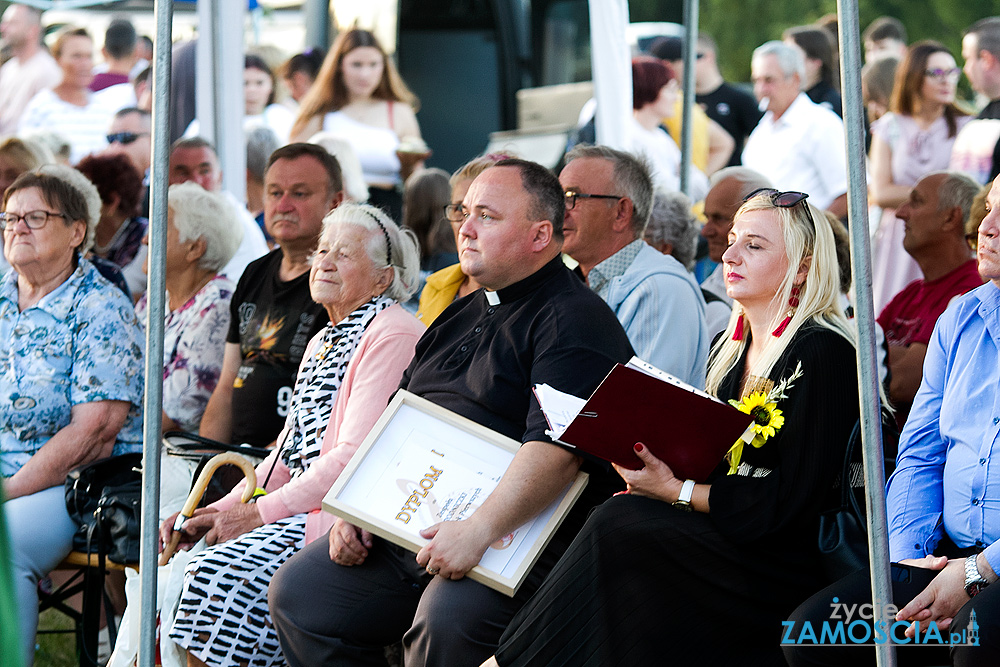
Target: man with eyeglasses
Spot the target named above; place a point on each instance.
(798, 145)
(934, 217)
(609, 196)
(711, 146)
(130, 134)
(976, 150)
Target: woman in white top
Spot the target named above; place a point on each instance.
(654, 92)
(359, 95)
(70, 109)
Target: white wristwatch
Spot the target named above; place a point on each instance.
(683, 501)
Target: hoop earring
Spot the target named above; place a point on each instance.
(793, 303)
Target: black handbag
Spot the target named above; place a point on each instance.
(843, 532)
(104, 499)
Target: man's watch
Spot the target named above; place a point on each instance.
(974, 582)
(683, 501)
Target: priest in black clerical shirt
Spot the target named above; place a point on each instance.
(534, 322)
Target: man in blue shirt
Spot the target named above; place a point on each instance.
(943, 500)
(609, 196)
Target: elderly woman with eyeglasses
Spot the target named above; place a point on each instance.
(364, 266)
(704, 573)
(71, 372)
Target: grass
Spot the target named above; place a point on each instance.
(56, 650)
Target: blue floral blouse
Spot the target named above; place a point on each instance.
(79, 344)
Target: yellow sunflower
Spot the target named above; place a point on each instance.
(767, 420)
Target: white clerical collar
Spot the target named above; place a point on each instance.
(492, 298)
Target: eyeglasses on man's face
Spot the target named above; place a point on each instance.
(34, 219)
(573, 195)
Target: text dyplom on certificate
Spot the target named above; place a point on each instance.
(428, 481)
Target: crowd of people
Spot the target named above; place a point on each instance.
(350, 271)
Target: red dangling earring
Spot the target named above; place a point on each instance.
(793, 303)
(738, 331)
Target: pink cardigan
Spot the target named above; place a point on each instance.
(372, 376)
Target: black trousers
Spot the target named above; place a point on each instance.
(327, 614)
(907, 583)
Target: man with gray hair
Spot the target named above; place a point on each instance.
(729, 187)
(976, 150)
(934, 215)
(30, 69)
(798, 145)
(609, 195)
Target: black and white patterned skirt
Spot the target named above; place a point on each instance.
(223, 617)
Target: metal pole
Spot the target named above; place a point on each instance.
(316, 14)
(868, 382)
(156, 296)
(227, 64)
(690, 48)
(204, 78)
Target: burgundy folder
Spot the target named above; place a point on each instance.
(690, 432)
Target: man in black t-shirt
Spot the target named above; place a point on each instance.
(730, 107)
(273, 314)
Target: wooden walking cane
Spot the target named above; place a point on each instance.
(198, 490)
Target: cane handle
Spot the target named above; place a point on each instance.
(198, 490)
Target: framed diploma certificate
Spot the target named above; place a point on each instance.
(422, 464)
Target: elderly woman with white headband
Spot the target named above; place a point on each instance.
(364, 266)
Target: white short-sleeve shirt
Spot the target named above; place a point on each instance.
(803, 150)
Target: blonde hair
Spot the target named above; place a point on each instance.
(819, 298)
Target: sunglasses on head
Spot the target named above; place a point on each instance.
(780, 199)
(124, 138)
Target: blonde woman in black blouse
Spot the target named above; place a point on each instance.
(675, 572)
